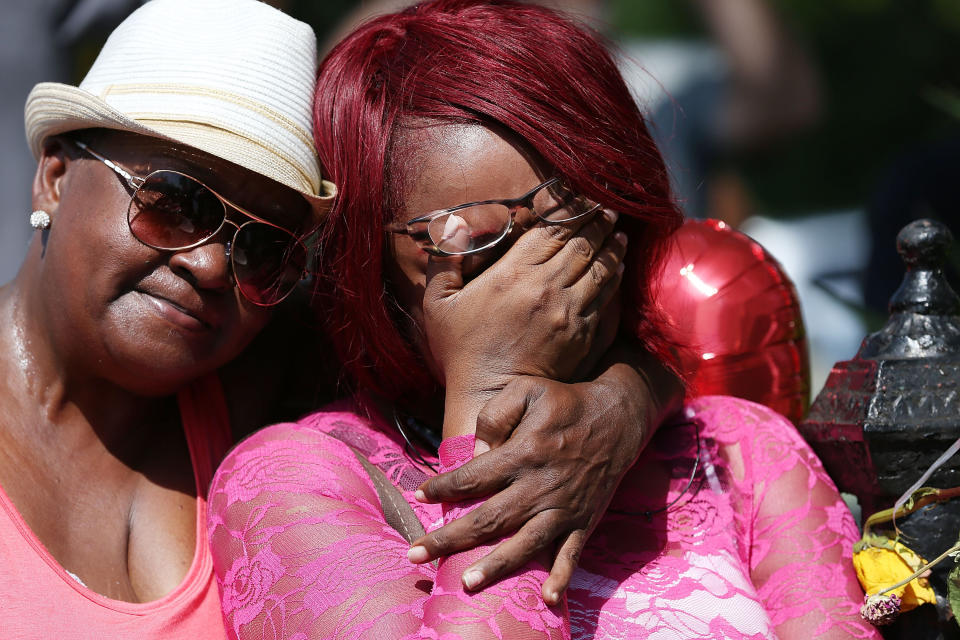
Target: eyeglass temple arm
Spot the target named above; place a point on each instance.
(593, 209)
(397, 227)
(132, 180)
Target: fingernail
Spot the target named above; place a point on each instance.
(621, 237)
(553, 597)
(472, 578)
(479, 446)
(620, 268)
(611, 215)
(419, 495)
(418, 554)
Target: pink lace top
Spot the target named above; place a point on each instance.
(757, 547)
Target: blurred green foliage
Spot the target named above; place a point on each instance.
(891, 77)
(322, 14)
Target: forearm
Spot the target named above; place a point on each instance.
(632, 374)
(802, 533)
(647, 385)
(462, 405)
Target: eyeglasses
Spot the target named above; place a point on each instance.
(172, 211)
(476, 226)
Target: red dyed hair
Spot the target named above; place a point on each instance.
(521, 67)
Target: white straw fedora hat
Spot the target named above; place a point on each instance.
(233, 78)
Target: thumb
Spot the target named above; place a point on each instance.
(444, 278)
(502, 413)
(445, 274)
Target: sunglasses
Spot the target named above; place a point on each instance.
(172, 211)
(477, 226)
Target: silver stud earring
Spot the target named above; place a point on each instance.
(40, 219)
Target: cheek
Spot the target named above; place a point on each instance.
(90, 259)
(95, 225)
(135, 340)
(251, 320)
(405, 266)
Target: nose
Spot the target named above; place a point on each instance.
(207, 266)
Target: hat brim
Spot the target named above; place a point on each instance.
(53, 108)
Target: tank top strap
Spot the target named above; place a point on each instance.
(206, 424)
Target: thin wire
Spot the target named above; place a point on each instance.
(409, 448)
(693, 475)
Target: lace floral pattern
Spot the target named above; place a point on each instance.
(756, 548)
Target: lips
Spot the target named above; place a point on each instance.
(187, 312)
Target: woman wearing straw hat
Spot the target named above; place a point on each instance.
(172, 189)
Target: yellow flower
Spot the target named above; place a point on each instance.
(881, 567)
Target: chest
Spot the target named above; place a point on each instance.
(676, 596)
(125, 533)
(683, 571)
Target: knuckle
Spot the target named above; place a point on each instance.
(598, 272)
(560, 319)
(538, 538)
(465, 479)
(556, 231)
(488, 423)
(582, 337)
(581, 246)
(486, 521)
(535, 301)
(545, 391)
(528, 455)
(433, 488)
(571, 554)
(523, 385)
(496, 564)
(605, 222)
(438, 543)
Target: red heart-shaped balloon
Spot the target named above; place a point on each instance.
(731, 305)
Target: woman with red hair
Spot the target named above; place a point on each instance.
(481, 149)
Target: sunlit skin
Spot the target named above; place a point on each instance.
(139, 309)
(443, 176)
(449, 165)
(453, 164)
(103, 329)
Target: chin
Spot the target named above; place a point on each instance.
(161, 367)
(152, 356)
(160, 377)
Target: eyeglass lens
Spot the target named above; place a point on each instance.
(267, 263)
(556, 203)
(470, 228)
(474, 228)
(171, 210)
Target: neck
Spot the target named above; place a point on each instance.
(49, 399)
(428, 412)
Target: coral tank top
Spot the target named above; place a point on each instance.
(42, 600)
